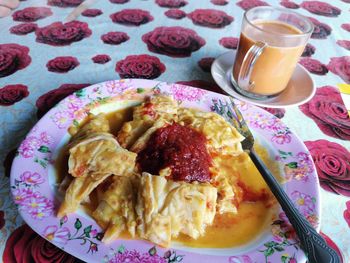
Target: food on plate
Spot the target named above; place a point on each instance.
(169, 172)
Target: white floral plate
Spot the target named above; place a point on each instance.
(33, 179)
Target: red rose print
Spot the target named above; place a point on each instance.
(314, 66)
(140, 66)
(229, 42)
(23, 29)
(308, 51)
(320, 8)
(92, 12)
(344, 43)
(332, 164)
(118, 1)
(25, 246)
(341, 67)
(327, 109)
(279, 113)
(8, 161)
(332, 245)
(31, 14)
(205, 63)
(58, 34)
(64, 3)
(171, 3)
(101, 59)
(114, 38)
(13, 57)
(219, 2)
(346, 27)
(247, 4)
(321, 30)
(173, 41)
(202, 84)
(62, 64)
(210, 18)
(131, 17)
(289, 4)
(11, 94)
(175, 13)
(46, 101)
(347, 213)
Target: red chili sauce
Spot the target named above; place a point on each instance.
(180, 148)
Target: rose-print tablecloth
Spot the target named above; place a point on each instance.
(43, 59)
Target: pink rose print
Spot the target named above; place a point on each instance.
(46, 101)
(64, 3)
(202, 84)
(205, 63)
(45, 138)
(119, 1)
(115, 38)
(247, 4)
(347, 213)
(332, 165)
(13, 57)
(210, 18)
(320, 8)
(181, 93)
(28, 146)
(175, 13)
(20, 194)
(279, 113)
(59, 34)
(73, 103)
(131, 17)
(57, 235)
(38, 206)
(32, 178)
(304, 202)
(62, 119)
(340, 66)
(289, 4)
(11, 94)
(240, 259)
(117, 87)
(173, 41)
(171, 3)
(282, 137)
(229, 42)
(23, 29)
(327, 109)
(101, 59)
(321, 30)
(140, 66)
(309, 50)
(62, 64)
(314, 66)
(92, 12)
(219, 2)
(31, 14)
(344, 43)
(346, 27)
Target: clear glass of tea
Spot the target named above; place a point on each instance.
(271, 42)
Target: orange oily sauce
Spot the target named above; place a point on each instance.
(252, 218)
(227, 230)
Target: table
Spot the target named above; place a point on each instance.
(42, 60)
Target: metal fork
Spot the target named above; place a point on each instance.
(312, 243)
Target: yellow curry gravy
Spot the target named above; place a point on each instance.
(228, 230)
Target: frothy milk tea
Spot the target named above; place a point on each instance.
(274, 67)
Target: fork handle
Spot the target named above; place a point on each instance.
(313, 244)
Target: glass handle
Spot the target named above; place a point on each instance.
(247, 66)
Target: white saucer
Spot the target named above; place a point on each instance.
(300, 88)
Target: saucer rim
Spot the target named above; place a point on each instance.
(262, 103)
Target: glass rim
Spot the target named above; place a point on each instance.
(304, 18)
